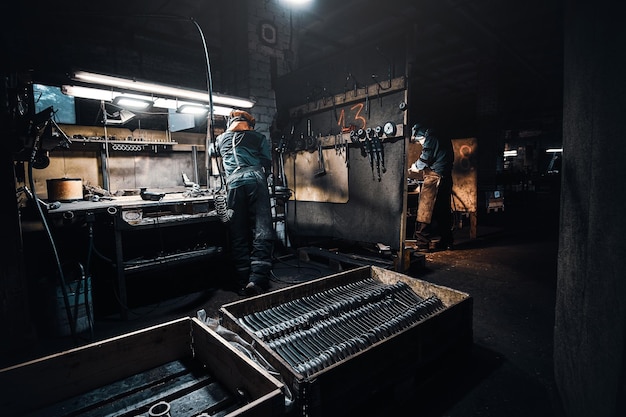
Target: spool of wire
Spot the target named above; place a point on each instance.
(221, 207)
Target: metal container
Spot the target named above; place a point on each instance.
(65, 189)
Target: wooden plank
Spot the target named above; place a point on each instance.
(352, 96)
(70, 373)
(424, 289)
(314, 183)
(181, 362)
(230, 365)
(464, 175)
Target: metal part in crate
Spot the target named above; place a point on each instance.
(180, 368)
(313, 332)
(322, 328)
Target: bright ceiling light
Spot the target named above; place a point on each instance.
(158, 102)
(132, 103)
(161, 90)
(297, 3)
(88, 93)
(192, 109)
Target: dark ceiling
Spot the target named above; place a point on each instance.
(478, 53)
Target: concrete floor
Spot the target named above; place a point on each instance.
(509, 270)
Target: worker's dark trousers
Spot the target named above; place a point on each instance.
(251, 231)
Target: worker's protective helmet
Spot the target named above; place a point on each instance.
(240, 120)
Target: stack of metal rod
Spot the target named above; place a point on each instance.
(313, 332)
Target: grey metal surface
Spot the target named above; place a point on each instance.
(313, 332)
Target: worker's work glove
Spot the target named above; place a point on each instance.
(414, 169)
(212, 151)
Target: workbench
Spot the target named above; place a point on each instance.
(131, 213)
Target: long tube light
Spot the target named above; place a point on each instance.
(159, 89)
(109, 96)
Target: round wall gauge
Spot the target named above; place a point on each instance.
(389, 129)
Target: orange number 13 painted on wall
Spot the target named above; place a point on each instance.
(356, 110)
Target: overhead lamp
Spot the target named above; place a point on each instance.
(159, 102)
(192, 109)
(297, 3)
(554, 150)
(88, 93)
(132, 102)
(161, 90)
(510, 153)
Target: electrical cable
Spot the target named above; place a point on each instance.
(220, 198)
(44, 222)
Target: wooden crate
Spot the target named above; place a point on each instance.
(413, 352)
(182, 364)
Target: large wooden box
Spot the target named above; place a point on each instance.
(181, 365)
(413, 352)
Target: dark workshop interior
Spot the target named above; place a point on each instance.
(117, 289)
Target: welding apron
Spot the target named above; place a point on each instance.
(428, 196)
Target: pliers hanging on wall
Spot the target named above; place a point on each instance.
(377, 145)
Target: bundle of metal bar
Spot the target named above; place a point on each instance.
(313, 332)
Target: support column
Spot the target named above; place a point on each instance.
(590, 316)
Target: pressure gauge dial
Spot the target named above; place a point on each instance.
(390, 129)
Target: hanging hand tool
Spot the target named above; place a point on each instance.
(355, 137)
(321, 168)
(344, 143)
(369, 150)
(375, 149)
(280, 149)
(378, 146)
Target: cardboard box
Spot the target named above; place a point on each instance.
(342, 385)
(181, 365)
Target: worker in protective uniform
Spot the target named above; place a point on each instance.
(434, 216)
(247, 159)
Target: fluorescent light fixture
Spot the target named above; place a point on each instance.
(221, 110)
(554, 150)
(132, 102)
(192, 109)
(110, 96)
(510, 153)
(89, 93)
(161, 90)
